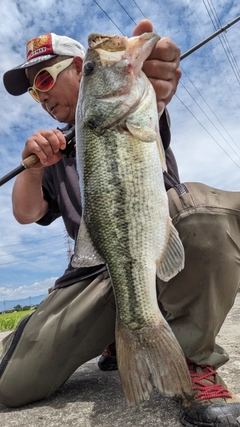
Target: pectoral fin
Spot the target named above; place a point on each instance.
(85, 253)
(143, 133)
(172, 260)
(146, 134)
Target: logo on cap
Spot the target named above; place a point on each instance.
(38, 46)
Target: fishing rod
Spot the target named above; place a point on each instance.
(197, 46)
(69, 151)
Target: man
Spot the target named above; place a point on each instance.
(76, 321)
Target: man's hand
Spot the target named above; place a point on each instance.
(28, 201)
(162, 66)
(46, 145)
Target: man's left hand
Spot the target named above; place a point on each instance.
(162, 66)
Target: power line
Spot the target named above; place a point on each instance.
(214, 58)
(126, 12)
(27, 260)
(206, 129)
(223, 39)
(230, 88)
(108, 17)
(142, 12)
(27, 242)
(139, 9)
(39, 248)
(212, 113)
(213, 126)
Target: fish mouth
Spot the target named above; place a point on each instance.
(113, 49)
(110, 43)
(139, 48)
(108, 57)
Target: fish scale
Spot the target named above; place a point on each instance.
(126, 221)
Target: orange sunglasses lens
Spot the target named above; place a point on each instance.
(44, 81)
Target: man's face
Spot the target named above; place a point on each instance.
(61, 100)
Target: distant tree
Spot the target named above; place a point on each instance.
(17, 307)
(26, 307)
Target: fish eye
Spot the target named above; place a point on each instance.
(89, 67)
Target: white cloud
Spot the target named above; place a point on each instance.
(10, 293)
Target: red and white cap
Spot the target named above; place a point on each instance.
(40, 49)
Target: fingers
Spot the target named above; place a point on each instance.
(162, 66)
(160, 70)
(144, 26)
(46, 145)
(164, 78)
(164, 92)
(167, 51)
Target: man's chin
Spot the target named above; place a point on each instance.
(59, 117)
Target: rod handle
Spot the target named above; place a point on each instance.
(30, 161)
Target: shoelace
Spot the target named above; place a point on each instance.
(213, 391)
(107, 352)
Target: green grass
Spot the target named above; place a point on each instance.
(8, 321)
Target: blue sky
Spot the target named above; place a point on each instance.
(204, 112)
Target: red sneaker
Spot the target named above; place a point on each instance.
(108, 359)
(211, 403)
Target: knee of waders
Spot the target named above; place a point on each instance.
(209, 236)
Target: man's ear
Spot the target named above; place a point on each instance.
(78, 62)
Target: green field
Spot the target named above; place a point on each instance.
(8, 321)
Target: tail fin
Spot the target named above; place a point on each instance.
(150, 357)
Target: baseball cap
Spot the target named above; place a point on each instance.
(40, 49)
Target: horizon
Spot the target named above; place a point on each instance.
(30, 301)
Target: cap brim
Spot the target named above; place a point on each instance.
(16, 81)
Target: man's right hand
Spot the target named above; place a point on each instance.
(46, 145)
(28, 200)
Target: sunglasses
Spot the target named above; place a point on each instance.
(46, 78)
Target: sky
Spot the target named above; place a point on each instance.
(204, 112)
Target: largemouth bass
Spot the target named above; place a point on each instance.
(126, 221)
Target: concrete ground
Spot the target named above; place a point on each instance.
(92, 398)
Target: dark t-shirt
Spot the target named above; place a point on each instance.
(61, 191)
